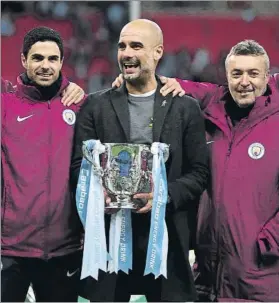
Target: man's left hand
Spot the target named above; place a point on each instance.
(72, 94)
(148, 206)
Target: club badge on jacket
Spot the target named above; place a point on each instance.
(69, 116)
(256, 151)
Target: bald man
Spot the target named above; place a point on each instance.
(137, 113)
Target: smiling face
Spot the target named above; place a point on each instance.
(139, 50)
(43, 63)
(247, 78)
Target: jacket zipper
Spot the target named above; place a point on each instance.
(228, 154)
(49, 189)
(5, 204)
(218, 257)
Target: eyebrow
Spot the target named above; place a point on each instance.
(136, 44)
(39, 56)
(54, 57)
(240, 70)
(120, 44)
(132, 44)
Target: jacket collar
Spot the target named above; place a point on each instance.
(32, 93)
(119, 100)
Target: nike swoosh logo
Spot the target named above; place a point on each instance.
(70, 274)
(209, 142)
(23, 118)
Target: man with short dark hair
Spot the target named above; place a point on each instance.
(41, 231)
(238, 229)
(137, 113)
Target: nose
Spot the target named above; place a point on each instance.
(45, 64)
(245, 81)
(128, 52)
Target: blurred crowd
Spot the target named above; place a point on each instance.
(92, 48)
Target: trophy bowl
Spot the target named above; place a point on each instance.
(126, 171)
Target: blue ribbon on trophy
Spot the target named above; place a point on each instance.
(125, 255)
(90, 206)
(156, 260)
(120, 235)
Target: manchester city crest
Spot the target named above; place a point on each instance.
(69, 116)
(256, 151)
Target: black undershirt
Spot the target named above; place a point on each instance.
(47, 92)
(235, 112)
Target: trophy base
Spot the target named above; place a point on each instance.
(121, 205)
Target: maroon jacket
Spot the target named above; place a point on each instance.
(39, 217)
(238, 226)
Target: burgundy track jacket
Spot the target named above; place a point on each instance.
(39, 217)
(238, 228)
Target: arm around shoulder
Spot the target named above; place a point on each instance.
(276, 79)
(198, 90)
(6, 86)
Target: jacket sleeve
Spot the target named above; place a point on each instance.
(268, 238)
(198, 90)
(190, 186)
(3, 119)
(84, 130)
(6, 86)
(276, 79)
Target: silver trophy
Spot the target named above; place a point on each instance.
(126, 171)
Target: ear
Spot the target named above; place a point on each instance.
(267, 75)
(158, 52)
(23, 61)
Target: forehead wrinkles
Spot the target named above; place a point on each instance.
(246, 63)
(140, 35)
(128, 33)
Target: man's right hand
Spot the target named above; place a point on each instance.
(118, 81)
(171, 86)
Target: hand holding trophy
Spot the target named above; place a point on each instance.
(148, 205)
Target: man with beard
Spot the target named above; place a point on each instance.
(41, 231)
(238, 225)
(137, 113)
